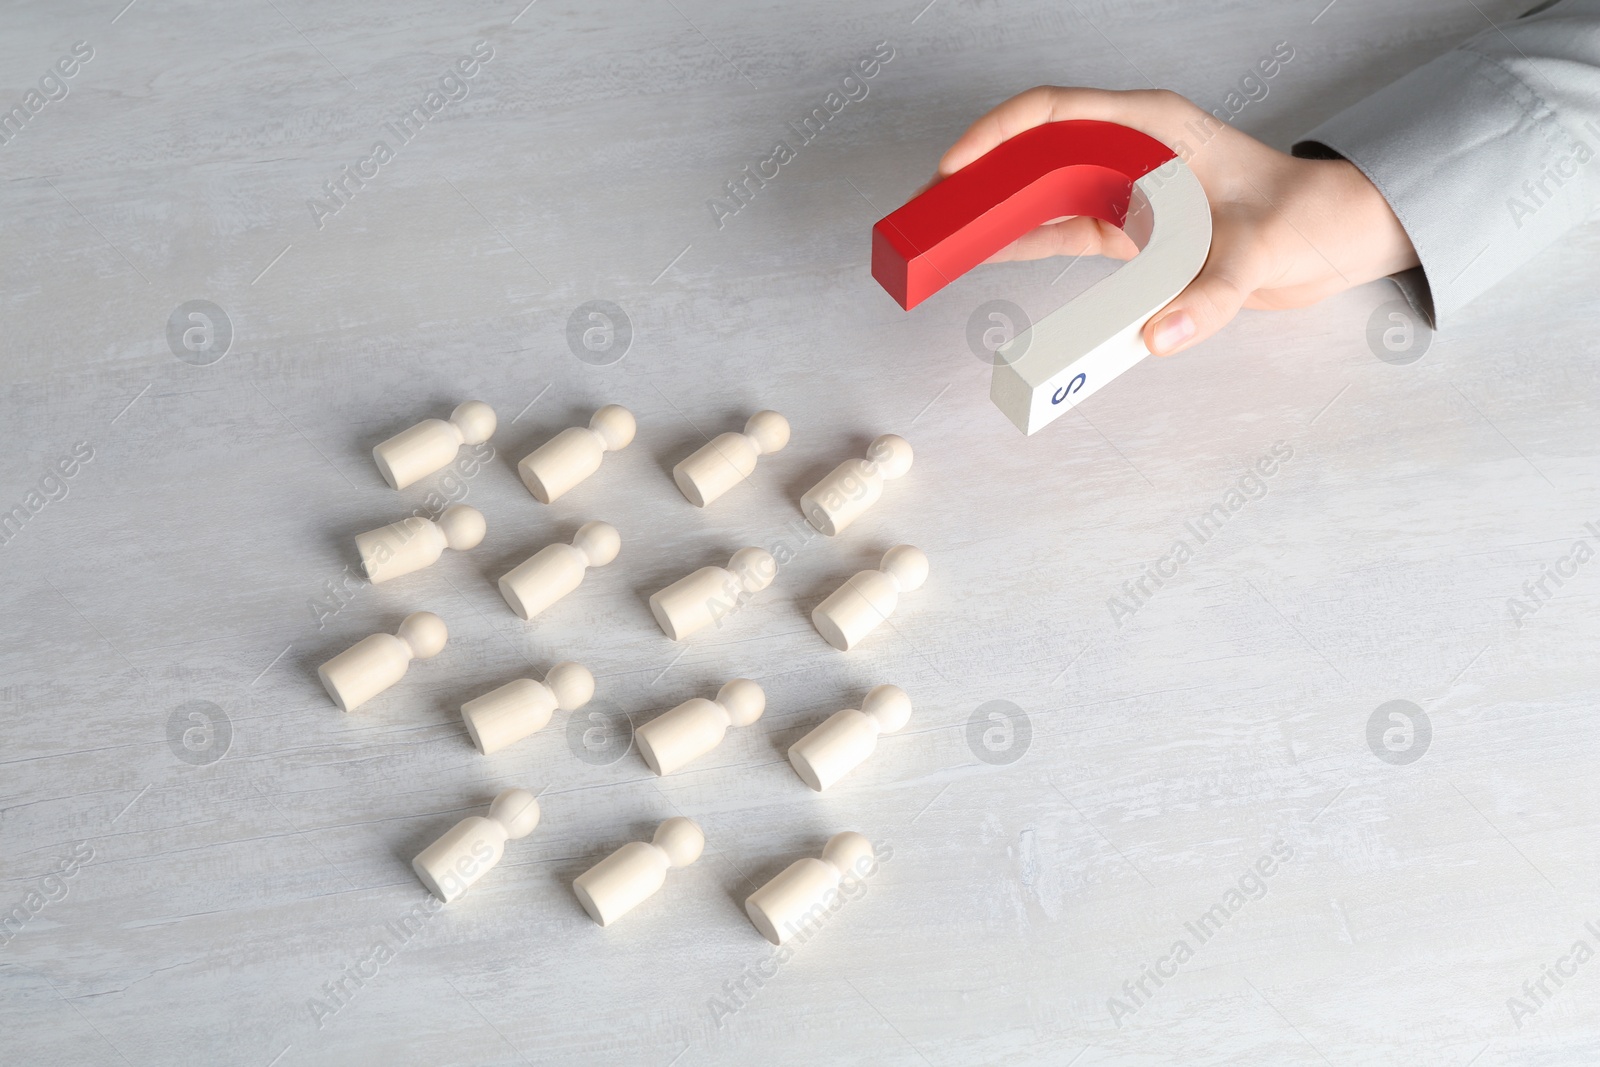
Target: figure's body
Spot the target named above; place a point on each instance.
(843, 741)
(469, 849)
(417, 542)
(505, 715)
(430, 445)
(869, 597)
(374, 663)
(705, 597)
(678, 737)
(729, 458)
(572, 455)
(807, 891)
(847, 491)
(556, 570)
(633, 873)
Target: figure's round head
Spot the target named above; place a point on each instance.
(598, 541)
(615, 425)
(906, 565)
(744, 701)
(572, 684)
(517, 811)
(849, 852)
(463, 526)
(769, 430)
(475, 420)
(892, 454)
(681, 840)
(424, 633)
(754, 567)
(888, 706)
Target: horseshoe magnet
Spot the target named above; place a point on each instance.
(1077, 167)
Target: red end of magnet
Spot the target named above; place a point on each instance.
(1078, 167)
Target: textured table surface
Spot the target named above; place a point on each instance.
(203, 861)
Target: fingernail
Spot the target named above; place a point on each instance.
(1172, 331)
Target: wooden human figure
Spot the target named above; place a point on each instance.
(852, 487)
(698, 600)
(556, 570)
(633, 873)
(575, 453)
(506, 715)
(678, 737)
(451, 865)
(374, 663)
(807, 891)
(431, 444)
(855, 609)
(417, 542)
(728, 459)
(846, 738)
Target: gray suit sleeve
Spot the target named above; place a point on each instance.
(1487, 154)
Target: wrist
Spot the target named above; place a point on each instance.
(1373, 242)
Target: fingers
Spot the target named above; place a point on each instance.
(1037, 106)
(1231, 275)
(1140, 109)
(1295, 296)
(1079, 236)
(1235, 269)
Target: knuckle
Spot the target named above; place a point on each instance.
(1177, 104)
(1221, 297)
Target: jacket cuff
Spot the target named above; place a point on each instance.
(1474, 164)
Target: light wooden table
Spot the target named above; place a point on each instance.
(228, 872)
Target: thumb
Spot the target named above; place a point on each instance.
(1206, 306)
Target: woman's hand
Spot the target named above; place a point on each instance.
(1286, 232)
